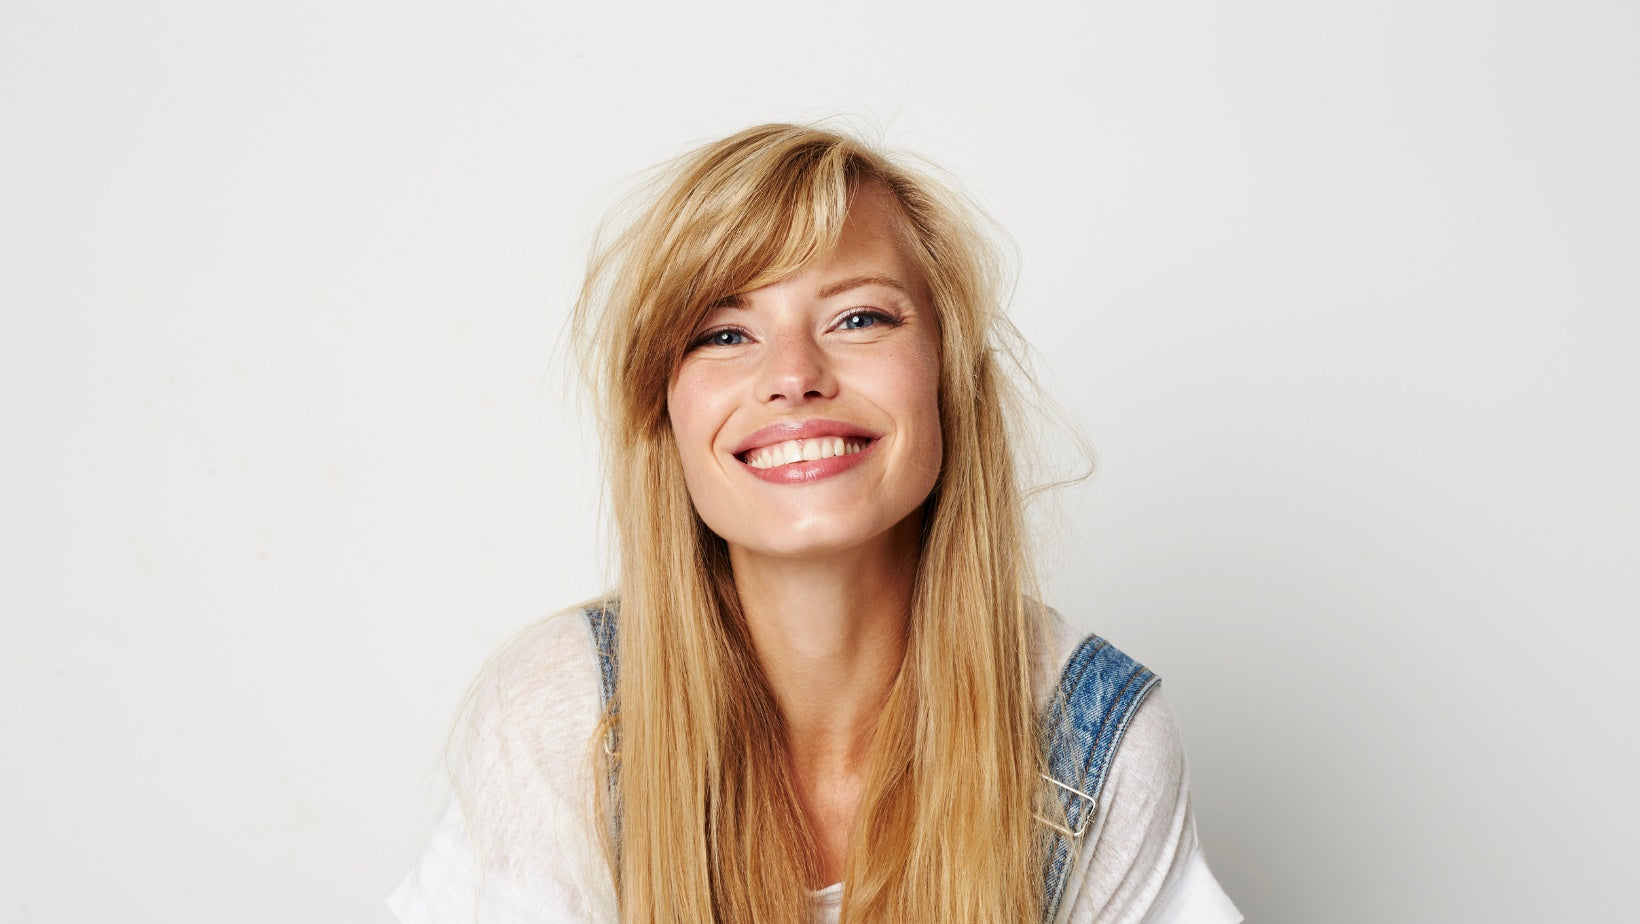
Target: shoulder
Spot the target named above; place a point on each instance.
(554, 655)
(1140, 860)
(1057, 641)
(518, 839)
(530, 716)
(1146, 785)
(536, 697)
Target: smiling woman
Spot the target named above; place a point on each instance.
(822, 689)
(806, 414)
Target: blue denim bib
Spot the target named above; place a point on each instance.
(1098, 692)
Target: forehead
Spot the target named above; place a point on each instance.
(875, 225)
(871, 250)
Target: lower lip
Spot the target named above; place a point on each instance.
(806, 472)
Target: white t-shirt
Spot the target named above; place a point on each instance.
(518, 845)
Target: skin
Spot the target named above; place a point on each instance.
(824, 566)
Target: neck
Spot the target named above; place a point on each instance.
(829, 633)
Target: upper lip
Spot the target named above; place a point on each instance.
(783, 430)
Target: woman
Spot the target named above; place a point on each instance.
(822, 688)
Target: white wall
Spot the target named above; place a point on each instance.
(1345, 295)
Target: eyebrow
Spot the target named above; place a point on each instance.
(855, 282)
(835, 288)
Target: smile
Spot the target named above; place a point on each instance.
(795, 452)
(809, 450)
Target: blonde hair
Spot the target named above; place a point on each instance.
(703, 821)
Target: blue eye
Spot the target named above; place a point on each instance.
(725, 336)
(860, 320)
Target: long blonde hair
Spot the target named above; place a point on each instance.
(703, 822)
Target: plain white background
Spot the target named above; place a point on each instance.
(1345, 295)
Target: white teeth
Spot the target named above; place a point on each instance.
(812, 450)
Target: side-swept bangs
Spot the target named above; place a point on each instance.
(733, 217)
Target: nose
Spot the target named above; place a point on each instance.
(795, 370)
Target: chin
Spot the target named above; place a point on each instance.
(800, 547)
(827, 538)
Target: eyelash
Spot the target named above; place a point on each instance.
(707, 338)
(875, 315)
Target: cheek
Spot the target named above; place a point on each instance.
(922, 388)
(689, 407)
(696, 418)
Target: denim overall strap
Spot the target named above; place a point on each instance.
(1099, 691)
(601, 620)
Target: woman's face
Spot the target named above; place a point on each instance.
(806, 413)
